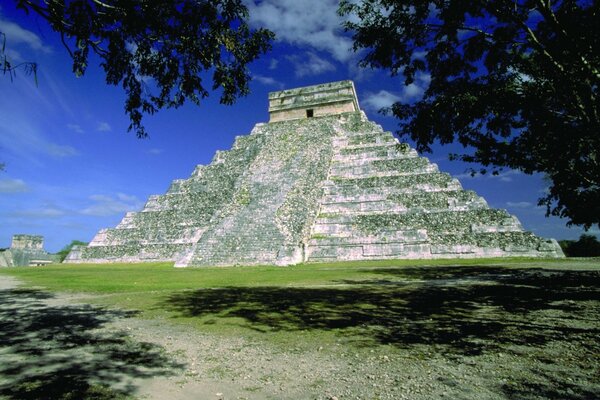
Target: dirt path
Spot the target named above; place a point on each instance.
(52, 348)
(470, 339)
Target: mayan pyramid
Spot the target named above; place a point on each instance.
(319, 182)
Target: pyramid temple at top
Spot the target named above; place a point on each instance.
(319, 182)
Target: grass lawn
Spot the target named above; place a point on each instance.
(513, 328)
(152, 277)
(316, 299)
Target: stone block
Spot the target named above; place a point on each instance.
(383, 250)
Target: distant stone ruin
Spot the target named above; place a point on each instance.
(26, 250)
(319, 182)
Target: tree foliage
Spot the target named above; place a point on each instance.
(515, 82)
(161, 52)
(10, 69)
(586, 246)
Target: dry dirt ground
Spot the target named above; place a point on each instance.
(501, 334)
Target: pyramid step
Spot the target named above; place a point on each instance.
(367, 155)
(399, 195)
(360, 160)
(400, 236)
(364, 138)
(472, 221)
(428, 182)
(339, 199)
(376, 251)
(361, 207)
(353, 191)
(343, 147)
(372, 171)
(455, 200)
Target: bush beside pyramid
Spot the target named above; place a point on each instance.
(319, 182)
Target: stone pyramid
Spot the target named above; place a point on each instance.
(319, 182)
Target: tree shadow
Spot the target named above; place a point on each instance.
(546, 386)
(62, 352)
(456, 312)
(465, 310)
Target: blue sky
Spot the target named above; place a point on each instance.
(72, 168)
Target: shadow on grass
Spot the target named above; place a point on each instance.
(59, 352)
(456, 312)
(466, 310)
(551, 386)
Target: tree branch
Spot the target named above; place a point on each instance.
(101, 4)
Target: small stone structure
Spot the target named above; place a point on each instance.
(319, 182)
(26, 250)
(313, 101)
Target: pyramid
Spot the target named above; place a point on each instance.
(319, 182)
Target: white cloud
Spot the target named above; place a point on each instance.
(379, 100)
(312, 23)
(103, 127)
(594, 231)
(412, 92)
(17, 35)
(419, 55)
(13, 186)
(104, 205)
(267, 80)
(407, 94)
(13, 55)
(521, 76)
(415, 90)
(519, 204)
(155, 152)
(47, 212)
(59, 151)
(506, 176)
(59, 96)
(273, 63)
(75, 128)
(310, 64)
(22, 138)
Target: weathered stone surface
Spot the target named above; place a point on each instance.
(31, 242)
(313, 101)
(26, 250)
(329, 185)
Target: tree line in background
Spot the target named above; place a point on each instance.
(513, 81)
(586, 246)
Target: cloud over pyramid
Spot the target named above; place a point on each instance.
(319, 182)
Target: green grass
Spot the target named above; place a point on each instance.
(152, 277)
(403, 309)
(285, 305)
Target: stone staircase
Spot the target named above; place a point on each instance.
(381, 200)
(270, 225)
